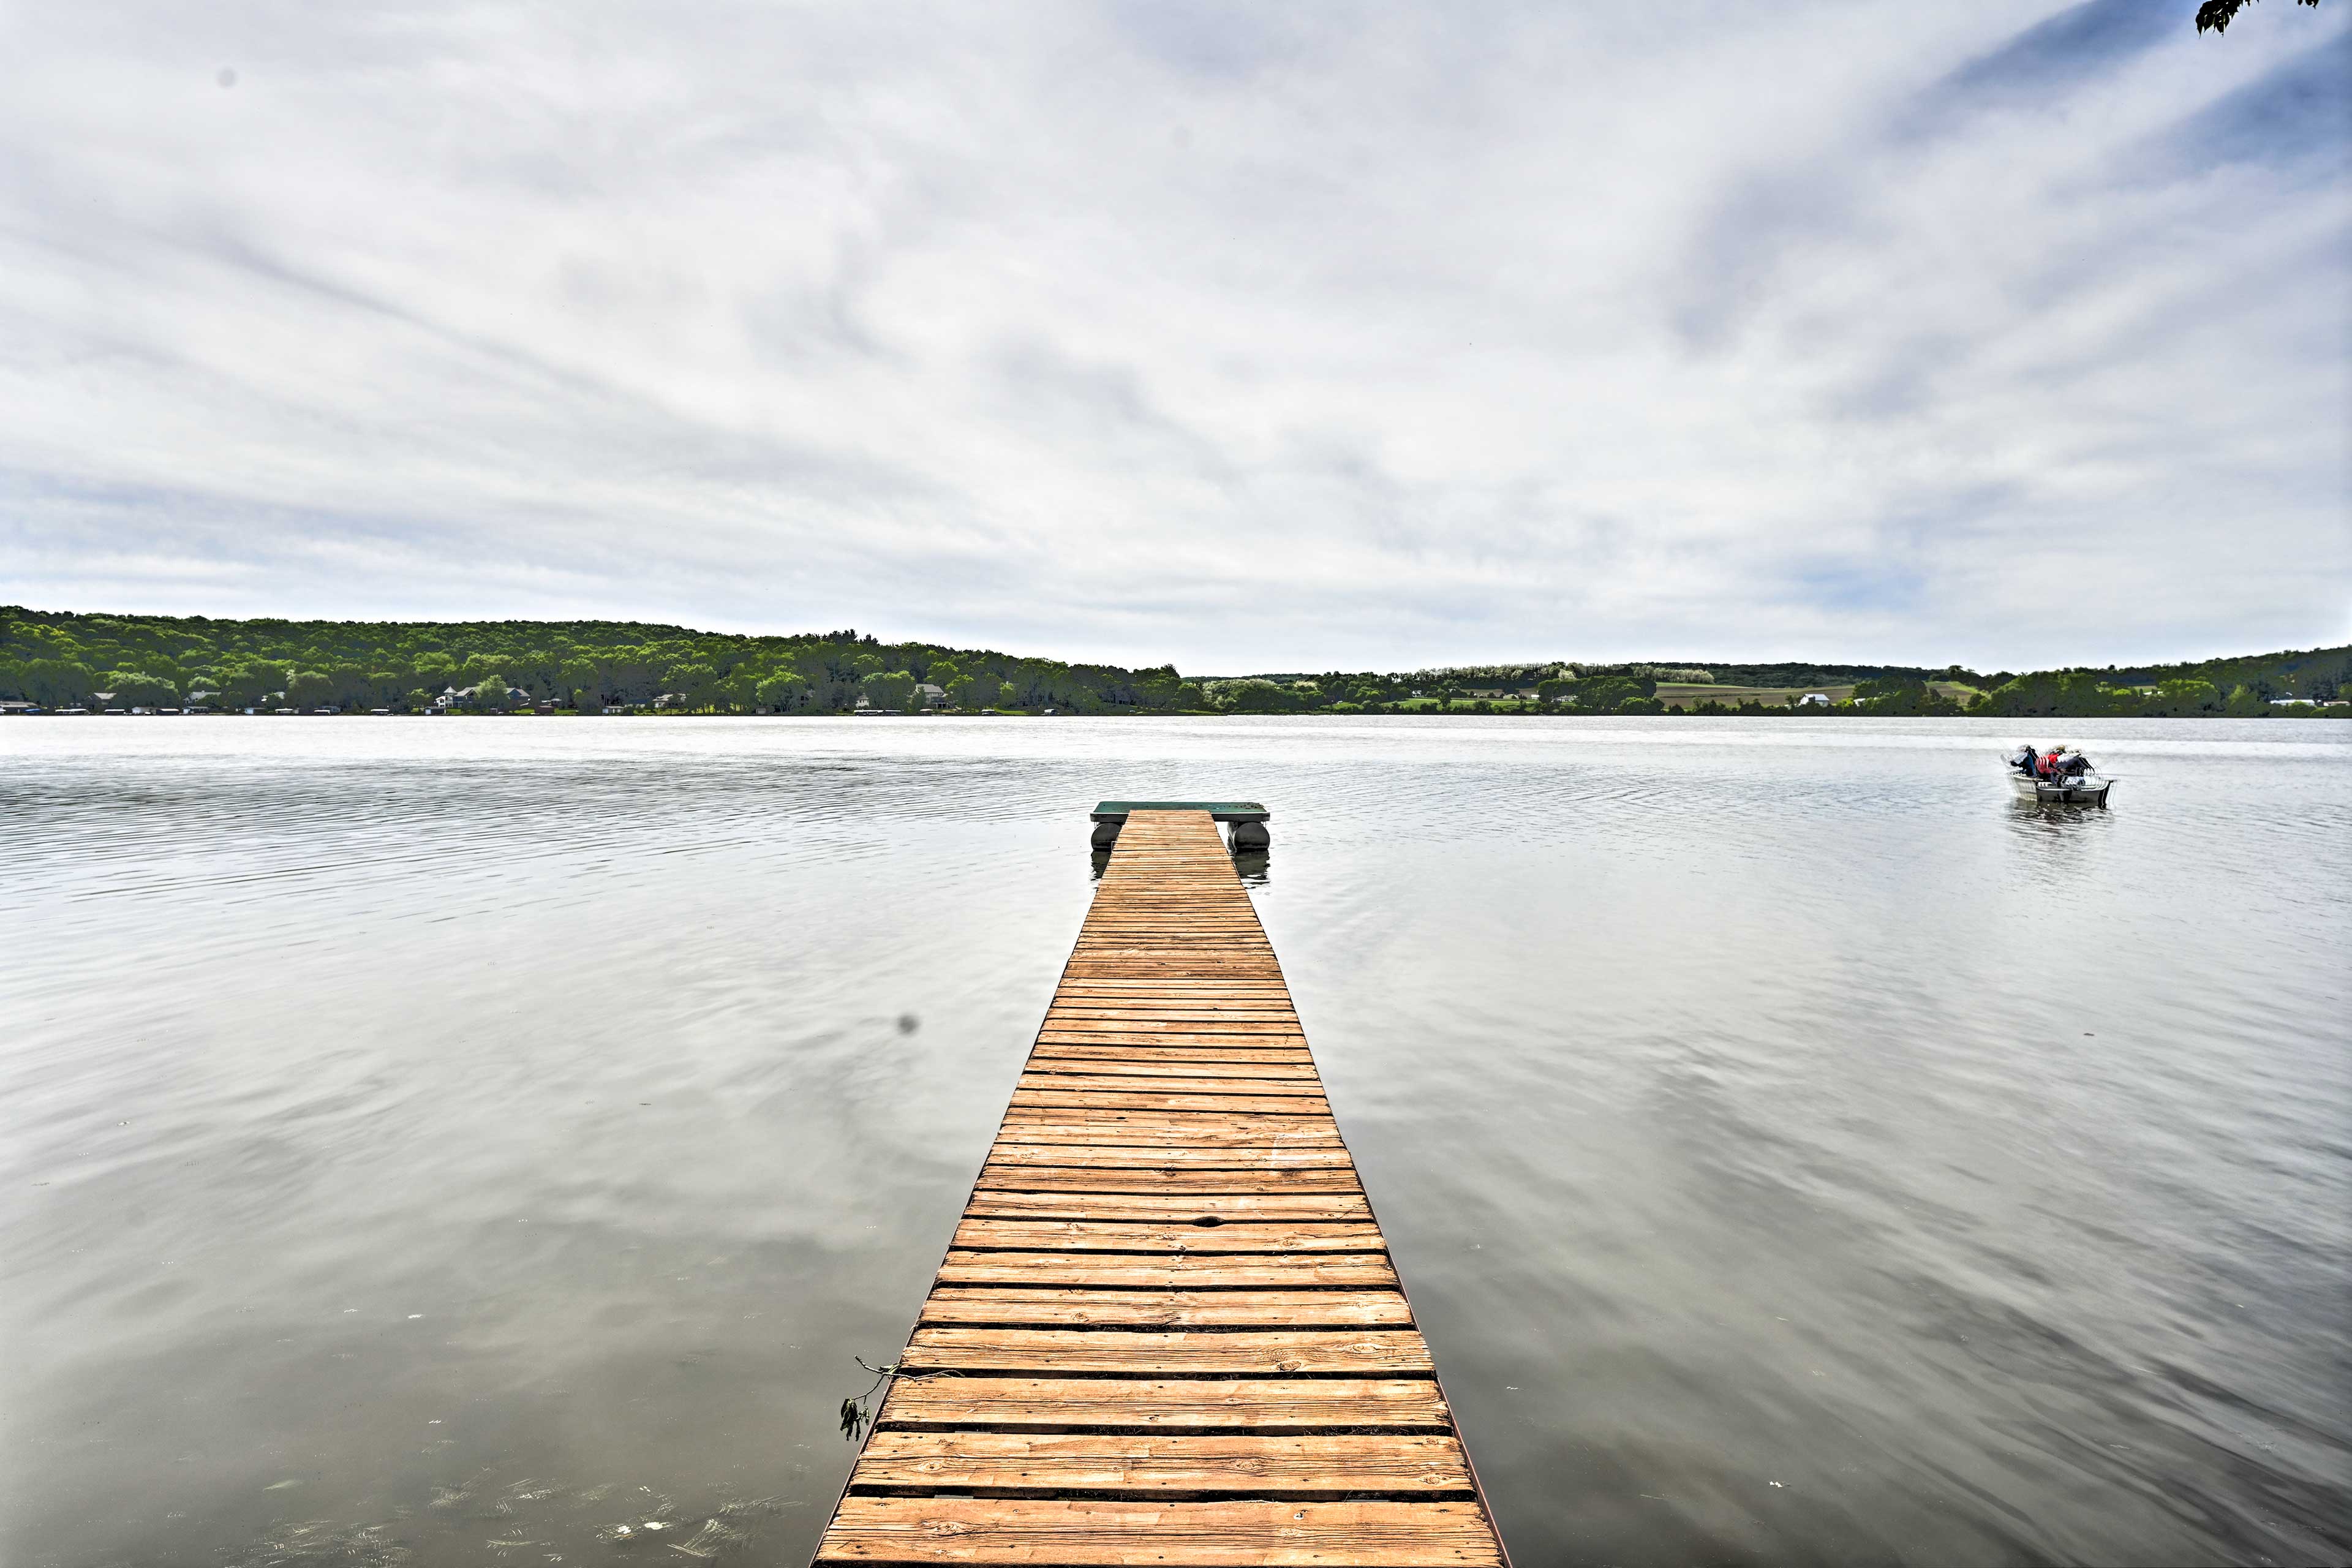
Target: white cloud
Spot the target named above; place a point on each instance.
(1244, 336)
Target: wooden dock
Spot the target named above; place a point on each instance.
(1167, 1330)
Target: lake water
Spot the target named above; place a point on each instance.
(453, 1138)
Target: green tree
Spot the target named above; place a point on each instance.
(1252, 695)
(52, 682)
(737, 693)
(782, 693)
(694, 684)
(490, 693)
(137, 688)
(960, 690)
(2185, 698)
(242, 686)
(888, 689)
(1607, 693)
(583, 681)
(308, 689)
(1006, 696)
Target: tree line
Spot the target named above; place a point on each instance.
(62, 659)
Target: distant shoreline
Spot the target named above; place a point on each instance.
(77, 663)
(2337, 711)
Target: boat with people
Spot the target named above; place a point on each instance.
(2061, 776)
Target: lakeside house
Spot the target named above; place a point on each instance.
(1814, 700)
(453, 697)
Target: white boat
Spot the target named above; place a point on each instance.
(2079, 784)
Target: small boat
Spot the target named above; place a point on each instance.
(2075, 783)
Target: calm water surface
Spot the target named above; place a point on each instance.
(442, 1141)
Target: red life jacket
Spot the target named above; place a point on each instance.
(2050, 765)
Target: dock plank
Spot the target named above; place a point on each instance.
(1047, 1096)
(1146, 1061)
(1167, 1271)
(1091, 1535)
(1160, 1078)
(1282, 1403)
(976, 1234)
(1265, 1157)
(1044, 1305)
(1169, 1208)
(1272, 1352)
(1250, 1465)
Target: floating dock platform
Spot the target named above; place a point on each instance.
(1247, 818)
(1168, 1330)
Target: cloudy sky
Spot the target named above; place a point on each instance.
(1247, 336)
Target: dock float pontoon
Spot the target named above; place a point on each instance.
(1167, 1330)
(1247, 818)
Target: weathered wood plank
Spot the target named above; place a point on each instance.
(1291, 1155)
(1297, 1404)
(1243, 1353)
(1165, 1023)
(1114, 1235)
(1161, 1078)
(1228, 1043)
(1112, 1130)
(983, 1305)
(1169, 1180)
(1232, 1127)
(1258, 1467)
(1062, 1533)
(1169, 1208)
(1043, 1096)
(1129, 1061)
(1167, 1271)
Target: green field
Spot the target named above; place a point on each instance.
(1678, 694)
(1689, 695)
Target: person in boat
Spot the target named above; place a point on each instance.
(2050, 763)
(2023, 761)
(2071, 763)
